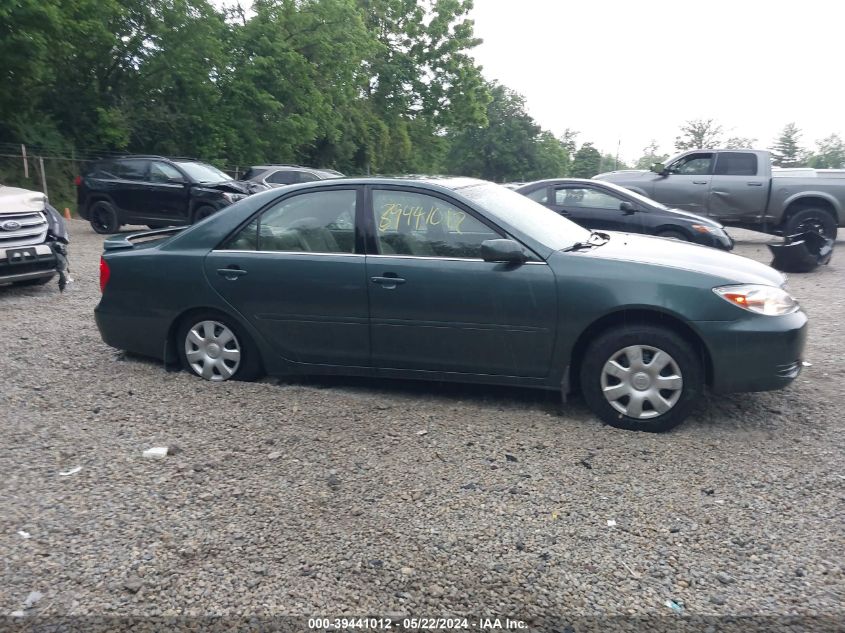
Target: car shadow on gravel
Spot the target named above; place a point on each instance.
(481, 395)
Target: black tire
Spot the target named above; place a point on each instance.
(41, 281)
(203, 212)
(609, 344)
(249, 366)
(104, 218)
(675, 235)
(811, 219)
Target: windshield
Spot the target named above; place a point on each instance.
(204, 173)
(527, 216)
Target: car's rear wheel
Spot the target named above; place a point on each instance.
(675, 235)
(104, 218)
(817, 220)
(214, 348)
(641, 378)
(203, 212)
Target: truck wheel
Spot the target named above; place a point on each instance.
(675, 235)
(641, 378)
(203, 212)
(104, 218)
(811, 220)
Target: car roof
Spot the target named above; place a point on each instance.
(454, 183)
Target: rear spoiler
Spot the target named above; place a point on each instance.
(118, 242)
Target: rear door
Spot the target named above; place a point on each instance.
(687, 183)
(435, 305)
(130, 188)
(296, 273)
(737, 191)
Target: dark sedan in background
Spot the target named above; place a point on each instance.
(609, 207)
(450, 280)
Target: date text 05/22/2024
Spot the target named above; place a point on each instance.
(417, 624)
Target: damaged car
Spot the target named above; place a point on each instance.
(33, 239)
(156, 191)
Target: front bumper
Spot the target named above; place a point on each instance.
(756, 353)
(41, 264)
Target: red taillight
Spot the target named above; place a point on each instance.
(105, 273)
(77, 181)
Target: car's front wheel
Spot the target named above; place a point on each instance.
(214, 348)
(641, 378)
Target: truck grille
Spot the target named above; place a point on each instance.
(22, 229)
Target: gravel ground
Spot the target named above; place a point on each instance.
(340, 496)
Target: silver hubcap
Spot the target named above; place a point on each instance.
(213, 350)
(641, 382)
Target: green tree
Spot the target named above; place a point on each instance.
(786, 150)
(829, 154)
(651, 155)
(504, 149)
(699, 134)
(587, 162)
(740, 142)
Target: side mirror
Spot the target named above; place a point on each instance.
(506, 251)
(658, 168)
(627, 207)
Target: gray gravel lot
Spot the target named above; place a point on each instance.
(341, 496)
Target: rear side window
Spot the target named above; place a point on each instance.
(317, 222)
(104, 169)
(133, 169)
(736, 164)
(285, 177)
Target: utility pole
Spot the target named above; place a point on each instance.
(43, 175)
(25, 164)
(618, 145)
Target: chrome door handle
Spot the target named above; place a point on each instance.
(699, 182)
(755, 184)
(231, 273)
(386, 282)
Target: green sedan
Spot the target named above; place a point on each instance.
(450, 279)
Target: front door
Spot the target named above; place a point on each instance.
(293, 272)
(166, 197)
(594, 208)
(687, 183)
(435, 305)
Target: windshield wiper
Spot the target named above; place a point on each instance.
(595, 239)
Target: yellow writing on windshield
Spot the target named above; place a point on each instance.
(394, 216)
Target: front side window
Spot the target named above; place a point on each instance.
(316, 222)
(736, 164)
(411, 223)
(587, 198)
(540, 195)
(162, 172)
(700, 164)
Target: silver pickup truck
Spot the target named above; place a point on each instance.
(740, 188)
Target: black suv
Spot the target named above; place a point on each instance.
(155, 191)
(281, 175)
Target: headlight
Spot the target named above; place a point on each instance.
(712, 230)
(768, 300)
(233, 197)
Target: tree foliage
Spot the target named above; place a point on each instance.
(829, 154)
(699, 134)
(786, 150)
(651, 155)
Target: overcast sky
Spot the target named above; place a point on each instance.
(618, 70)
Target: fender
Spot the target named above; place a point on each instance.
(802, 195)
